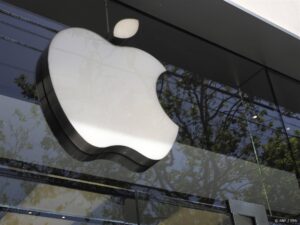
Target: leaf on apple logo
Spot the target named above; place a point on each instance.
(126, 28)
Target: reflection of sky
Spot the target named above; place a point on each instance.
(292, 124)
(17, 36)
(38, 21)
(16, 59)
(7, 84)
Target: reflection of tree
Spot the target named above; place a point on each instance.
(211, 116)
(276, 153)
(275, 148)
(295, 143)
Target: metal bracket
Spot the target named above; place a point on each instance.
(245, 211)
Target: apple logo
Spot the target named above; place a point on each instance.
(100, 100)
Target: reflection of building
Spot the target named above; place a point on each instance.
(239, 122)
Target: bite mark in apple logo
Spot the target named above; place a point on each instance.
(100, 100)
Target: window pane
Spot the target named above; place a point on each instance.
(153, 212)
(50, 199)
(222, 129)
(272, 145)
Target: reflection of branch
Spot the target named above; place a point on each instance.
(212, 116)
(28, 89)
(219, 107)
(184, 127)
(200, 105)
(162, 80)
(225, 123)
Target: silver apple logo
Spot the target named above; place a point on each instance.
(100, 100)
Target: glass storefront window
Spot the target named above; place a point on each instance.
(271, 145)
(153, 212)
(236, 139)
(33, 198)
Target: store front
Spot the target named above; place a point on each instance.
(238, 144)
